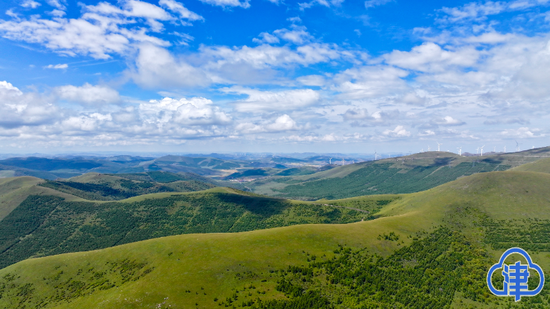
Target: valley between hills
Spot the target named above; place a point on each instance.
(418, 231)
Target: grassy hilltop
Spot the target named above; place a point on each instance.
(408, 174)
(46, 224)
(432, 248)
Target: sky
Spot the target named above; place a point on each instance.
(274, 76)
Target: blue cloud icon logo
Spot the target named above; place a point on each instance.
(516, 276)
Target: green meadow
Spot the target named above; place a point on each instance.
(296, 265)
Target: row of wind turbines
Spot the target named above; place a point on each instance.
(479, 150)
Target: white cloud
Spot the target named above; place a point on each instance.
(399, 131)
(156, 67)
(373, 3)
(479, 11)
(30, 4)
(262, 101)
(449, 121)
(228, 3)
(312, 80)
(325, 3)
(24, 109)
(266, 38)
(60, 5)
(369, 82)
(57, 66)
(88, 94)
(183, 12)
(194, 111)
(429, 57)
(298, 35)
(283, 123)
(102, 30)
(474, 10)
(523, 132)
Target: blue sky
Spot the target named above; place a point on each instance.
(273, 75)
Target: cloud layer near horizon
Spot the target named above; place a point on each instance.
(469, 83)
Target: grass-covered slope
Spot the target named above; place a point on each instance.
(540, 166)
(15, 190)
(407, 174)
(93, 186)
(430, 249)
(45, 225)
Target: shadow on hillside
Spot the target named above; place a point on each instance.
(496, 160)
(263, 206)
(442, 161)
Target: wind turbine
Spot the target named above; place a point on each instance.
(438, 146)
(504, 149)
(477, 150)
(517, 146)
(330, 161)
(375, 155)
(428, 147)
(482, 150)
(459, 151)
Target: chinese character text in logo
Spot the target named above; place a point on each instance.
(515, 276)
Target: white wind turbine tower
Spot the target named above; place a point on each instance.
(428, 147)
(504, 149)
(438, 146)
(517, 146)
(459, 151)
(375, 155)
(482, 150)
(330, 161)
(477, 150)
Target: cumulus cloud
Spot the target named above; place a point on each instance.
(88, 94)
(399, 131)
(156, 67)
(102, 30)
(448, 121)
(228, 3)
(182, 11)
(266, 38)
(430, 57)
(30, 4)
(372, 3)
(325, 3)
(312, 80)
(523, 132)
(473, 10)
(281, 124)
(298, 35)
(263, 101)
(194, 111)
(60, 5)
(57, 66)
(24, 109)
(369, 82)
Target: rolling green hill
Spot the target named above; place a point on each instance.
(101, 187)
(407, 174)
(540, 166)
(15, 190)
(429, 249)
(44, 225)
